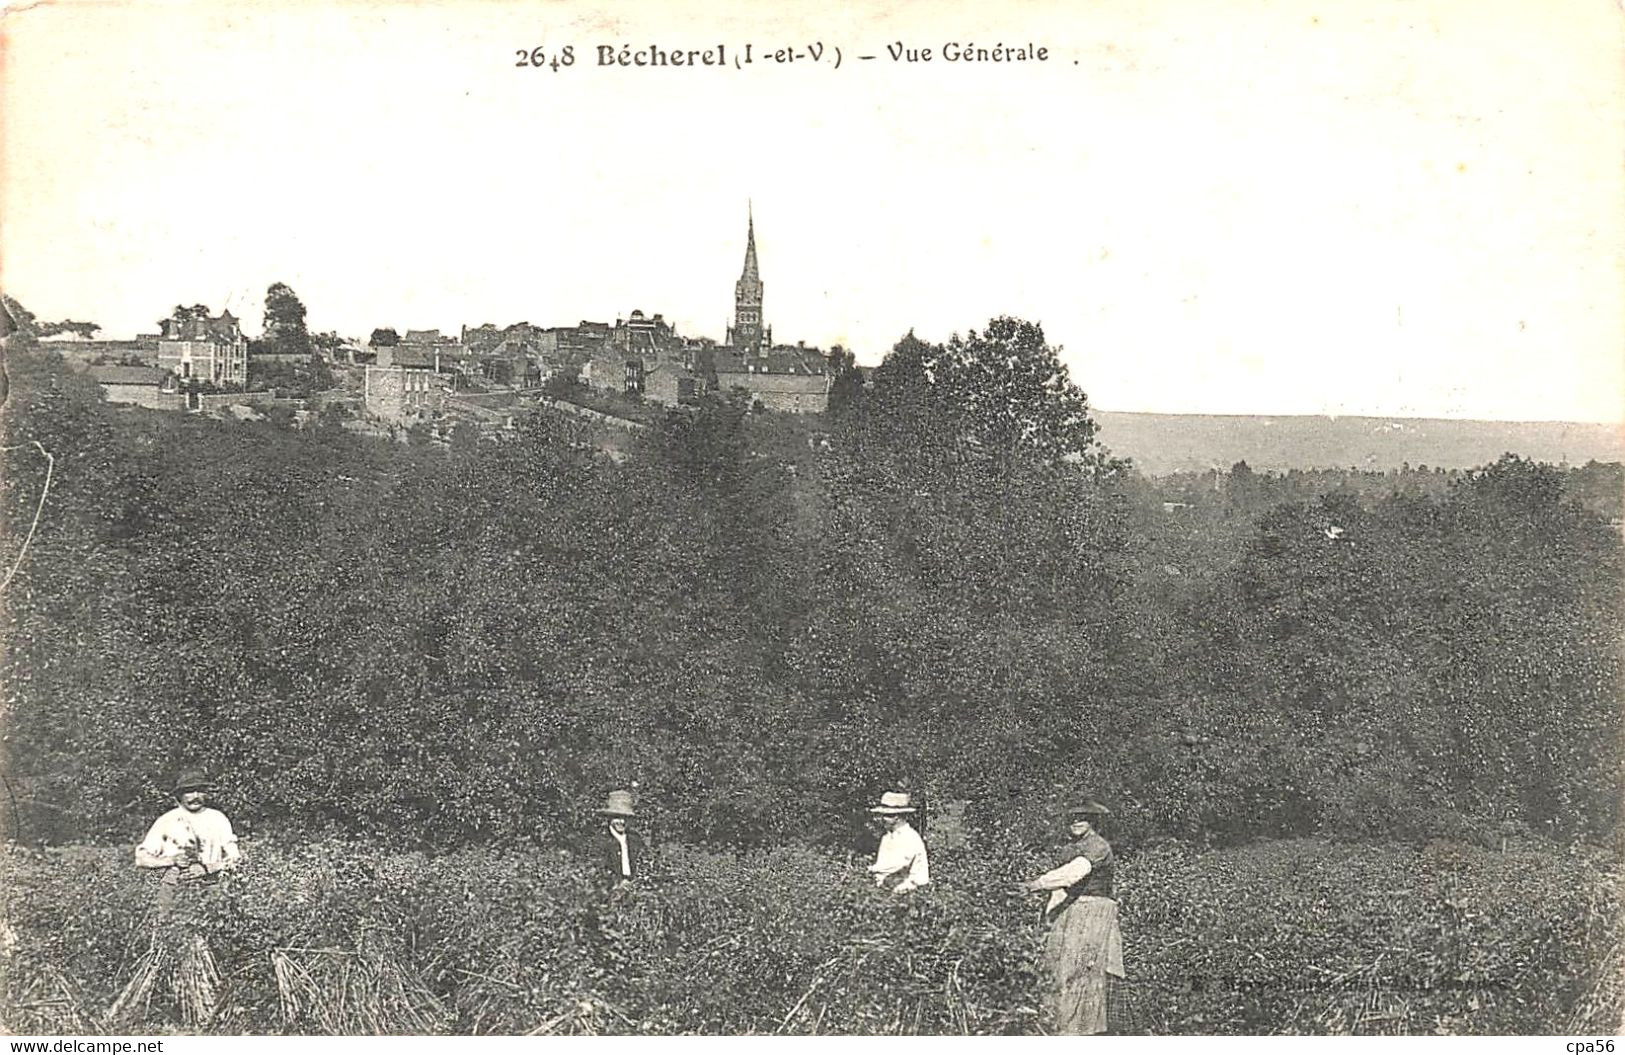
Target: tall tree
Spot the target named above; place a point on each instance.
(384, 337)
(999, 395)
(1014, 392)
(182, 315)
(846, 386)
(285, 332)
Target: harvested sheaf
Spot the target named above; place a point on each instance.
(346, 992)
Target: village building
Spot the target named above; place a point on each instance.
(790, 380)
(521, 355)
(480, 338)
(671, 384)
(650, 337)
(423, 350)
(401, 395)
(144, 386)
(204, 349)
(578, 342)
(623, 358)
(610, 368)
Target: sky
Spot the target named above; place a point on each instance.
(1391, 207)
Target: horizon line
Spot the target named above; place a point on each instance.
(1370, 415)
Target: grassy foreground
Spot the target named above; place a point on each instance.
(1294, 937)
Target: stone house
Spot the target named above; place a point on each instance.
(646, 336)
(610, 368)
(144, 386)
(671, 384)
(790, 380)
(401, 395)
(575, 346)
(204, 349)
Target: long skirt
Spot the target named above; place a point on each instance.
(1082, 948)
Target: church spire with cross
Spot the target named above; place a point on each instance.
(750, 271)
(748, 332)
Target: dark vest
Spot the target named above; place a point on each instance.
(1098, 883)
(611, 851)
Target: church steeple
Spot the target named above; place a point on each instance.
(750, 272)
(748, 331)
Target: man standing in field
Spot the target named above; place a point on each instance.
(192, 841)
(1083, 946)
(192, 844)
(622, 850)
(902, 851)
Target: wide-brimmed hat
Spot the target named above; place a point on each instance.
(1084, 806)
(619, 804)
(893, 804)
(192, 780)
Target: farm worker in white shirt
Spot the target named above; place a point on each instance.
(902, 851)
(193, 841)
(192, 844)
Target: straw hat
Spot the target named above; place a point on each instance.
(619, 804)
(192, 780)
(893, 804)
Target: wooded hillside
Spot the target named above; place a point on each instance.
(763, 621)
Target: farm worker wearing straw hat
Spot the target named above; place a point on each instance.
(902, 851)
(622, 850)
(192, 841)
(1083, 945)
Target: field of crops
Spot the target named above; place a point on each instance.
(1277, 937)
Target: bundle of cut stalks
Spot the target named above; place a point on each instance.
(353, 992)
(194, 979)
(137, 992)
(197, 983)
(50, 1003)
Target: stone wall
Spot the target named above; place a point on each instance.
(206, 401)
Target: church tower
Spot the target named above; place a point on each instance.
(749, 333)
